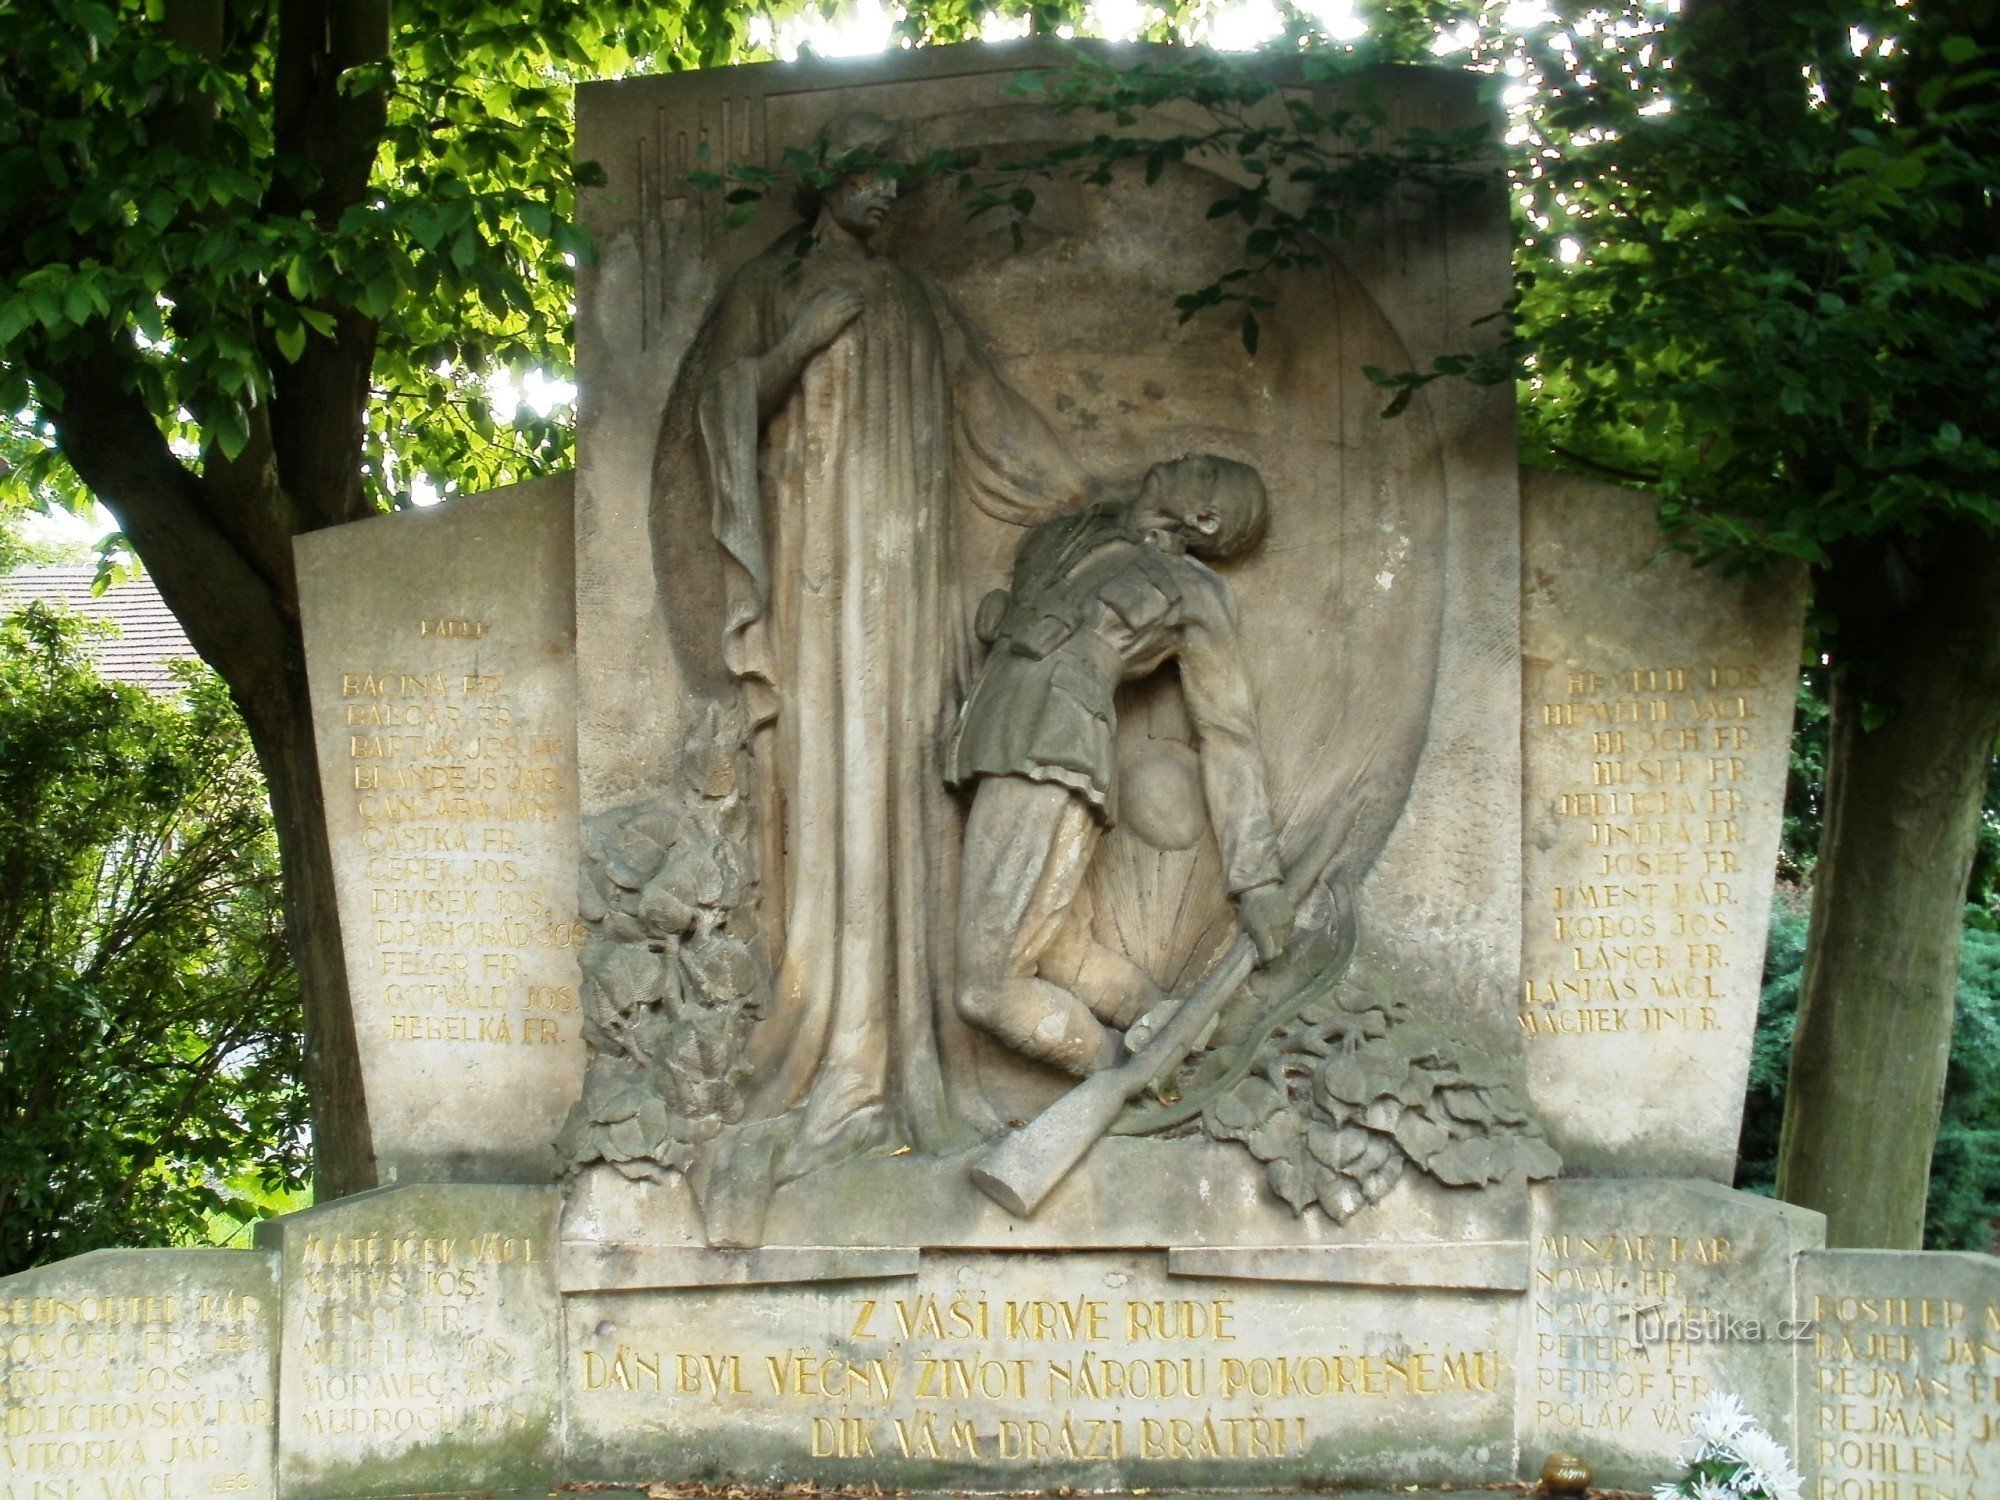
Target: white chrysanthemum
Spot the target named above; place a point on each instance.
(1668, 1492)
(1707, 1489)
(1719, 1418)
(1768, 1462)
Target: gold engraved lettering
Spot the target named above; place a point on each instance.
(1657, 814)
(451, 781)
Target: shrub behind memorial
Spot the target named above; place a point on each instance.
(149, 1029)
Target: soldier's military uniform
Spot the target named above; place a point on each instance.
(1093, 604)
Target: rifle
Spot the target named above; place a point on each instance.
(1024, 1169)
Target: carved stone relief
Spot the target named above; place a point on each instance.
(1063, 775)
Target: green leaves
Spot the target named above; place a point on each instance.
(163, 212)
(149, 1029)
(1786, 282)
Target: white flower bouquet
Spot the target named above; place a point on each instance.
(1732, 1458)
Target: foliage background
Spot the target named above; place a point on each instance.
(150, 1069)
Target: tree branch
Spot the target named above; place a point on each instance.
(233, 614)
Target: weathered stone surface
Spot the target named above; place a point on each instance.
(1641, 1300)
(1478, 1265)
(1126, 1193)
(439, 648)
(1899, 1384)
(1010, 1371)
(1657, 711)
(140, 1375)
(421, 1338)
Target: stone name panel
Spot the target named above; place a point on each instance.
(1657, 711)
(420, 1334)
(140, 1375)
(1094, 1370)
(1899, 1384)
(1643, 1297)
(439, 644)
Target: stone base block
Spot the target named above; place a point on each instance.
(445, 1340)
(140, 1375)
(422, 1343)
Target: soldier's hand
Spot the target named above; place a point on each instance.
(1267, 915)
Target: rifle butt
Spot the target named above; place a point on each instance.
(1022, 1170)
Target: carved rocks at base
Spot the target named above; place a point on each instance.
(673, 973)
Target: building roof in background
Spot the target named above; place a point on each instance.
(148, 639)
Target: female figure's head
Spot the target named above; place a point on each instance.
(858, 200)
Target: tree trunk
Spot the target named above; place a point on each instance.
(281, 727)
(1918, 657)
(230, 585)
(219, 542)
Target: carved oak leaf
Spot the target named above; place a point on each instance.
(627, 1138)
(1280, 1138)
(1378, 1182)
(1340, 1196)
(1341, 1080)
(722, 968)
(1383, 1114)
(617, 1105)
(1506, 1104)
(1295, 1177)
(1466, 1104)
(1420, 1085)
(1535, 1158)
(655, 1123)
(676, 1155)
(663, 906)
(630, 857)
(1323, 1141)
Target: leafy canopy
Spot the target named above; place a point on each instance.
(142, 200)
(1787, 265)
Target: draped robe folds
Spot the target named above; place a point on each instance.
(844, 623)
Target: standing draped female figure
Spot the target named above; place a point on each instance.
(835, 412)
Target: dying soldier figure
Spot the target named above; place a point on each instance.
(1100, 596)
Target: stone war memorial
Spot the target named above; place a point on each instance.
(999, 894)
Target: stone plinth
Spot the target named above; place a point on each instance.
(1098, 1370)
(1657, 715)
(1899, 1381)
(439, 645)
(140, 1375)
(1642, 1298)
(420, 1342)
